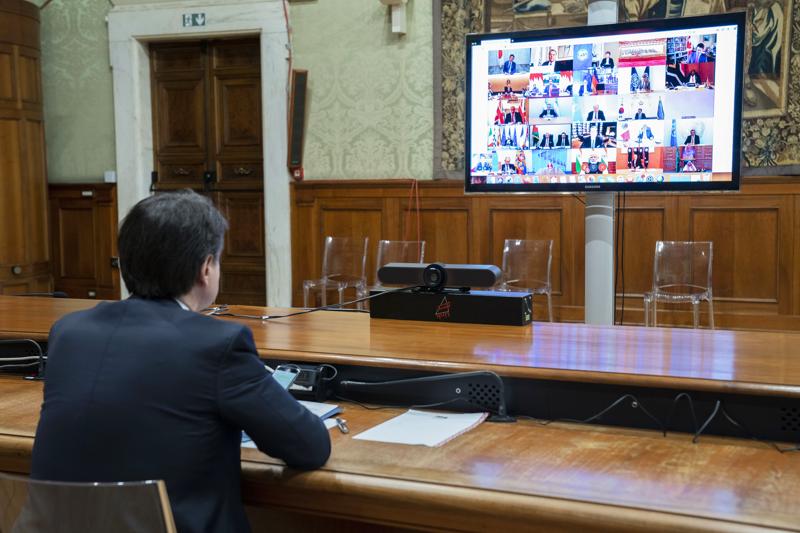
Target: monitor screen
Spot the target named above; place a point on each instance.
(643, 106)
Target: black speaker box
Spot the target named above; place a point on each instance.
(474, 307)
(297, 122)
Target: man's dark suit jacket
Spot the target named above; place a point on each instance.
(600, 116)
(692, 139)
(586, 141)
(142, 389)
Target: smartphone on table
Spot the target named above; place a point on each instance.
(286, 375)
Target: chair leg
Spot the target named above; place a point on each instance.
(655, 312)
(646, 306)
(696, 314)
(306, 292)
(341, 297)
(711, 312)
(549, 307)
(323, 297)
(363, 293)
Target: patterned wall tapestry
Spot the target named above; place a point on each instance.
(370, 91)
(458, 17)
(78, 93)
(771, 97)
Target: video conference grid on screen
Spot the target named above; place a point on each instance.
(649, 107)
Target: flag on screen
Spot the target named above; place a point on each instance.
(673, 134)
(634, 80)
(498, 117)
(660, 112)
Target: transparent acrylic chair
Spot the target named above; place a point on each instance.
(681, 274)
(526, 267)
(30, 506)
(344, 264)
(398, 252)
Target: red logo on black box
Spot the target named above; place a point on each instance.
(443, 310)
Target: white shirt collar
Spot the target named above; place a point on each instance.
(183, 305)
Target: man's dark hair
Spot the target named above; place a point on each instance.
(701, 45)
(164, 241)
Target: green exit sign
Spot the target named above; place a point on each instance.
(194, 19)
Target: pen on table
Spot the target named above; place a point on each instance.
(342, 424)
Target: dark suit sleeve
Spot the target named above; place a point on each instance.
(251, 399)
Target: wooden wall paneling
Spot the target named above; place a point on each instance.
(542, 219)
(34, 193)
(753, 246)
(29, 75)
(12, 236)
(8, 89)
(479, 230)
(796, 257)
(243, 258)
(355, 218)
(24, 252)
(645, 222)
(760, 255)
(84, 240)
(305, 249)
(446, 229)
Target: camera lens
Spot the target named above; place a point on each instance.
(434, 276)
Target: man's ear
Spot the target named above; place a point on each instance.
(205, 271)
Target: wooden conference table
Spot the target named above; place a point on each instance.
(522, 475)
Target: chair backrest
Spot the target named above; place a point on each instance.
(398, 252)
(682, 267)
(31, 506)
(344, 259)
(526, 264)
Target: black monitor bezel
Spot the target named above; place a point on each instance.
(735, 18)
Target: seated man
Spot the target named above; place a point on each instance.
(698, 55)
(510, 67)
(547, 141)
(513, 116)
(640, 115)
(548, 112)
(592, 140)
(607, 61)
(551, 58)
(150, 388)
(596, 114)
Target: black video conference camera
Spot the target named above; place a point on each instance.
(436, 276)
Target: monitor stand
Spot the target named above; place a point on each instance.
(599, 297)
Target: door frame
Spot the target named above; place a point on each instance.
(130, 29)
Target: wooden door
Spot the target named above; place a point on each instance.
(208, 136)
(83, 220)
(24, 250)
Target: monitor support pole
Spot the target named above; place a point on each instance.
(599, 297)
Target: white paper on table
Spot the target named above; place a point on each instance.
(426, 428)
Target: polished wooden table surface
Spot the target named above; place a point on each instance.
(519, 476)
(751, 362)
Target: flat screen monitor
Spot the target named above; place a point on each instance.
(643, 106)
